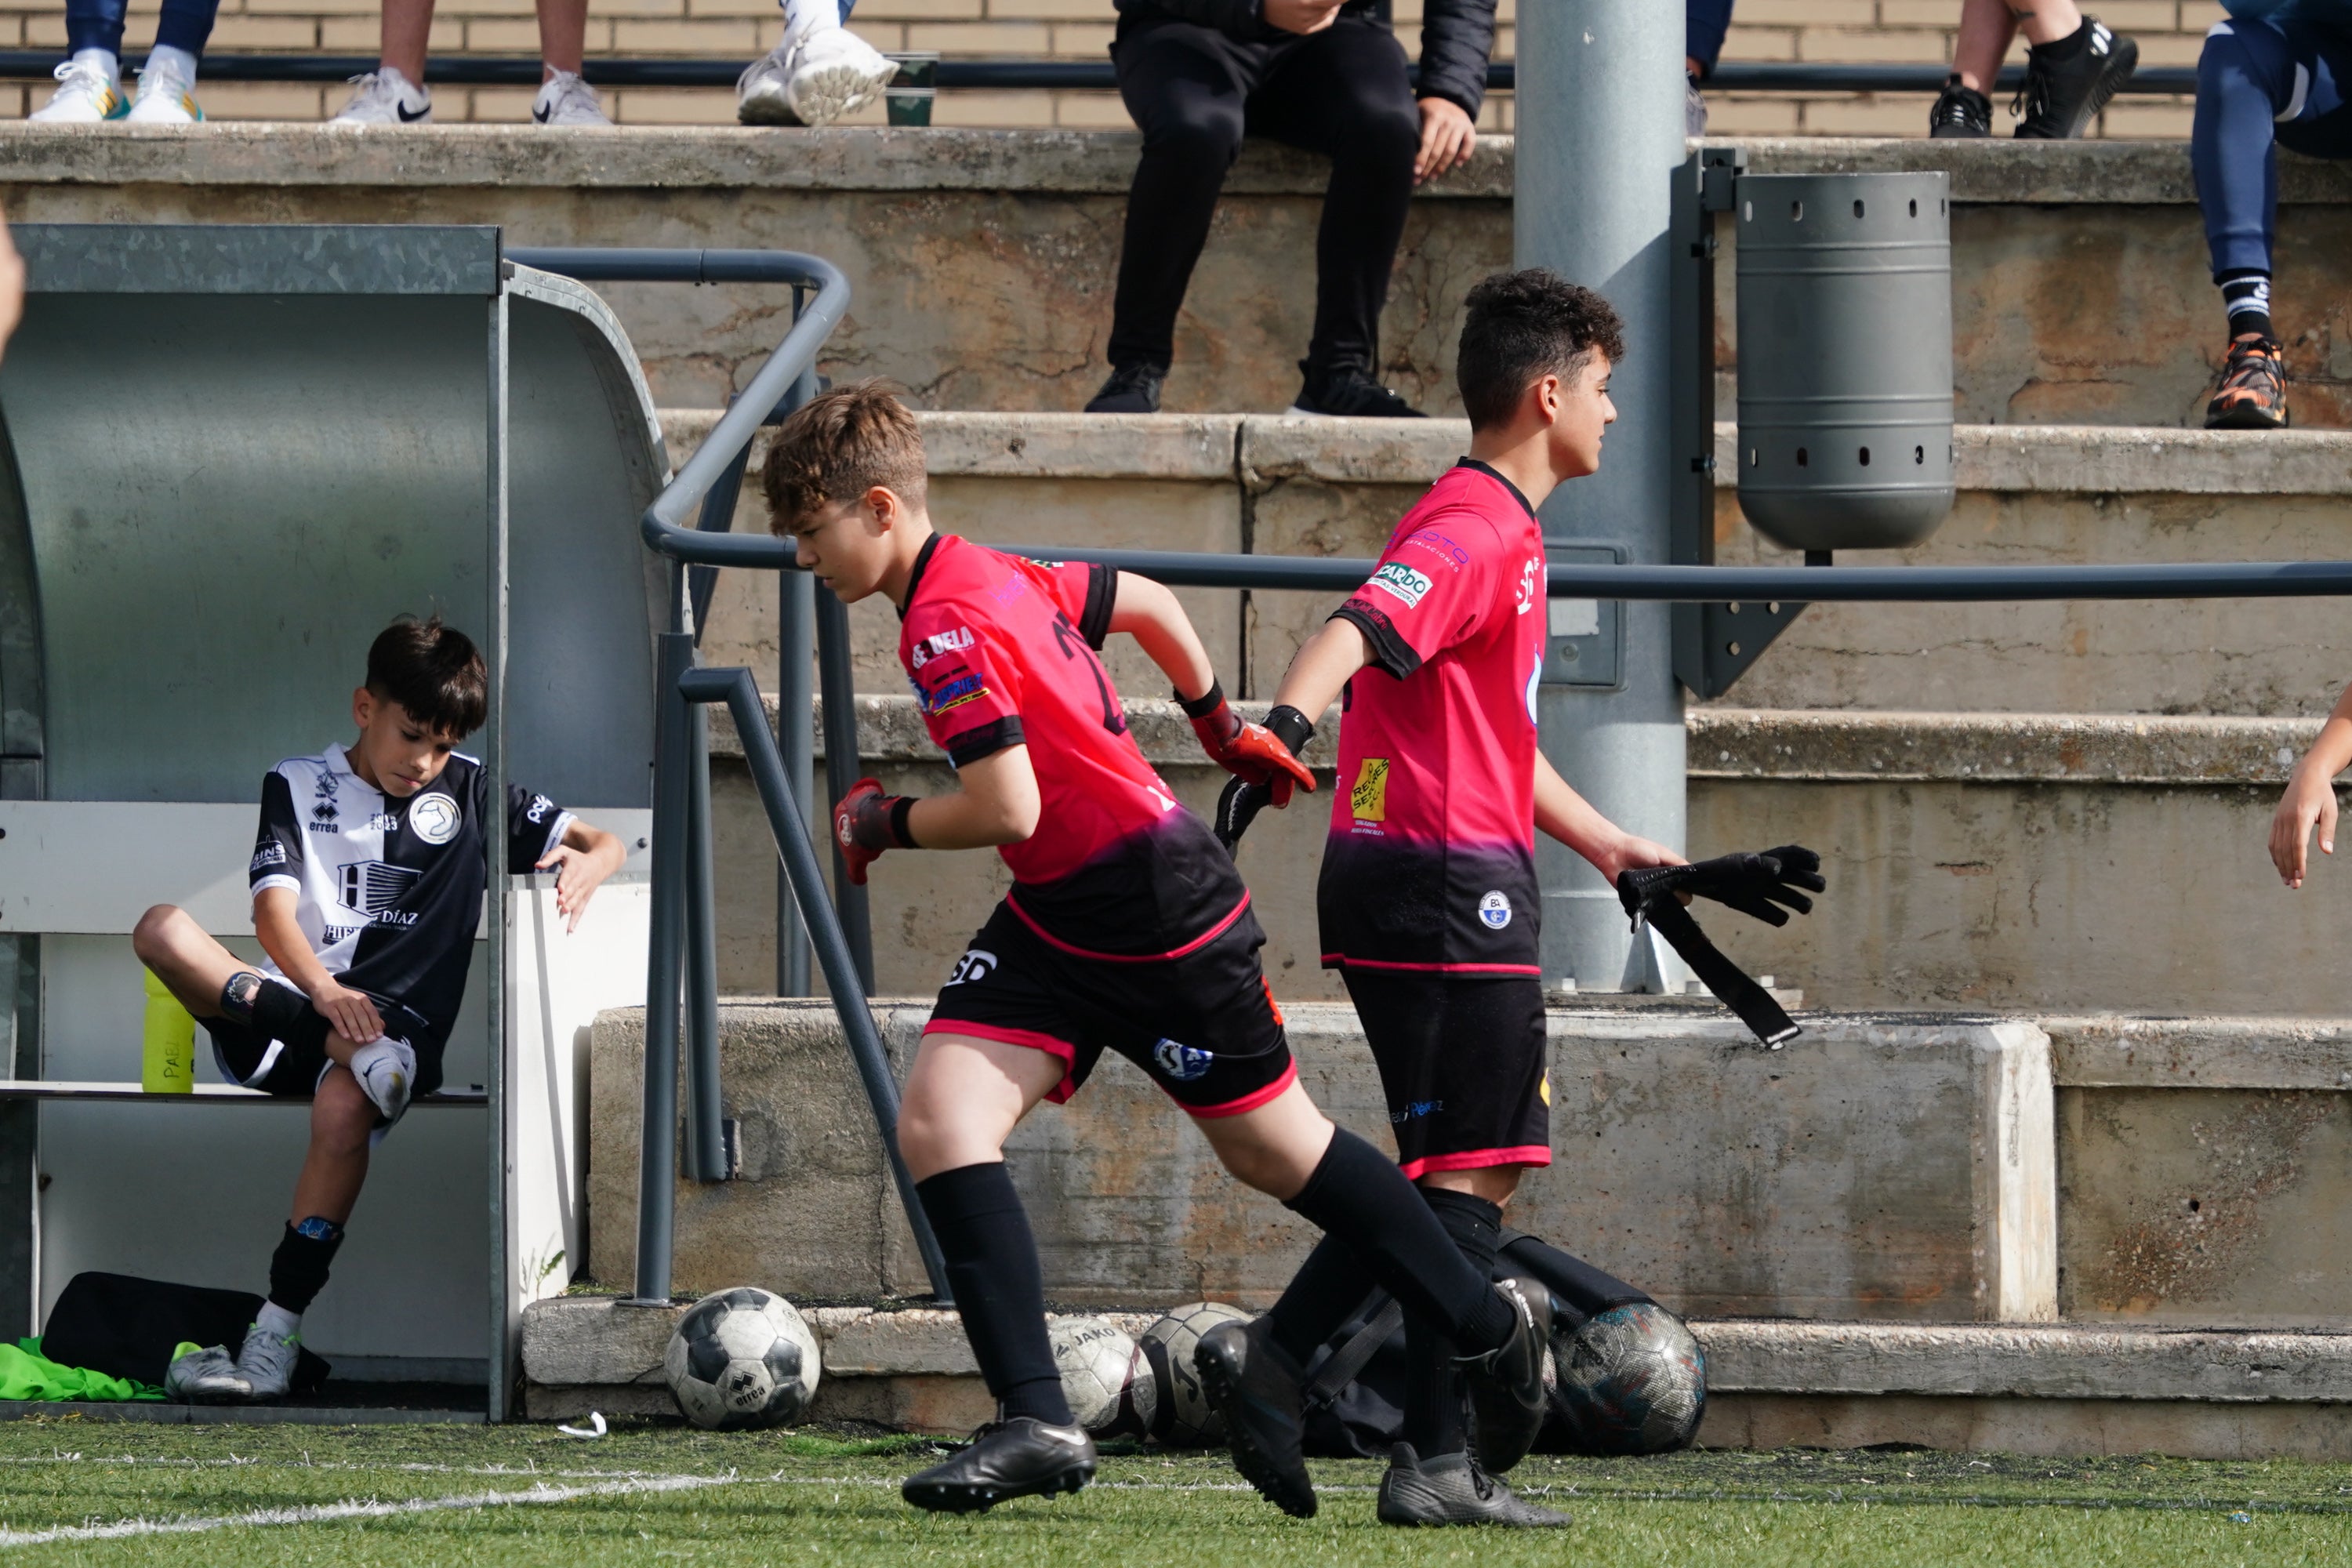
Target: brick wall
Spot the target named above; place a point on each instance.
(1835, 30)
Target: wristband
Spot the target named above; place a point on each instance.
(1291, 727)
(898, 828)
(1208, 702)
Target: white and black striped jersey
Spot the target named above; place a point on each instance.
(389, 891)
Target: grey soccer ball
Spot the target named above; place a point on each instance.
(741, 1359)
(1186, 1419)
(1108, 1384)
(1631, 1380)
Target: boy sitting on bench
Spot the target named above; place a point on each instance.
(368, 877)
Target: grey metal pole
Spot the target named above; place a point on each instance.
(1599, 118)
(841, 762)
(796, 738)
(657, 1138)
(706, 1152)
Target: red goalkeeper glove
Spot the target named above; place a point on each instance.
(866, 822)
(1255, 753)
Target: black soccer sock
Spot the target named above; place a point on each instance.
(298, 1270)
(1330, 1286)
(1357, 1195)
(999, 1290)
(1435, 1385)
(2246, 295)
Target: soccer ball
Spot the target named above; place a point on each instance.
(1185, 1418)
(740, 1359)
(1108, 1384)
(1631, 1380)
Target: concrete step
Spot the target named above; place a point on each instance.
(2043, 1389)
(2014, 861)
(2029, 495)
(983, 260)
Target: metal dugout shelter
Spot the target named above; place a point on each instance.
(358, 422)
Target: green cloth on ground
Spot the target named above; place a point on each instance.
(26, 1374)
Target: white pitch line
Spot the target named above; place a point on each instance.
(321, 1513)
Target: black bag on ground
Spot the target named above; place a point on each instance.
(1354, 1402)
(127, 1326)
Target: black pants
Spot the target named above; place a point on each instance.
(1195, 91)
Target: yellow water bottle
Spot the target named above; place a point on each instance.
(168, 1062)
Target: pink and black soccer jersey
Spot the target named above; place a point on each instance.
(1430, 865)
(1001, 652)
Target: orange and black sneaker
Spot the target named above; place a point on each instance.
(2253, 395)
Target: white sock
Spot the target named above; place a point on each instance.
(100, 60)
(806, 16)
(165, 55)
(278, 1321)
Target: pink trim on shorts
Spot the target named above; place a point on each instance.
(1341, 961)
(1477, 1160)
(1246, 1103)
(1198, 942)
(1005, 1036)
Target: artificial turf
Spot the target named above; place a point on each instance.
(400, 1496)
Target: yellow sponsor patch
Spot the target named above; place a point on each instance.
(1544, 1089)
(1370, 798)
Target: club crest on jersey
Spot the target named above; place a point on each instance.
(1400, 580)
(322, 805)
(433, 818)
(1494, 908)
(931, 648)
(1368, 798)
(1182, 1062)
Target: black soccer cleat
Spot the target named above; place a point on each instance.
(2060, 97)
(1131, 389)
(1452, 1489)
(1961, 112)
(1351, 394)
(1020, 1457)
(1506, 1386)
(1253, 1383)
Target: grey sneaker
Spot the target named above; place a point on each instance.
(266, 1365)
(203, 1374)
(1450, 1489)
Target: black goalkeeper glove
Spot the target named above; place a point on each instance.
(1238, 806)
(1756, 885)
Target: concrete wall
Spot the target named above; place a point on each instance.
(982, 261)
(1881, 1169)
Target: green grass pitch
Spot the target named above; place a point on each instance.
(104, 1492)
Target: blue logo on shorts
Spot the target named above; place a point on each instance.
(1182, 1062)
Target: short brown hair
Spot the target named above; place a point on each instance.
(434, 672)
(838, 446)
(1523, 326)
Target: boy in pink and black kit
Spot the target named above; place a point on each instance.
(1428, 901)
(1127, 929)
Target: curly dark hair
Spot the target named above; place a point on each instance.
(1523, 325)
(838, 446)
(434, 672)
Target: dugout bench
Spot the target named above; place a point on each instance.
(357, 422)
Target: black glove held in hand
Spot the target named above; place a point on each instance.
(1238, 806)
(1753, 884)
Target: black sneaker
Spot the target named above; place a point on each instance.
(1022, 1457)
(1131, 389)
(1507, 1387)
(2060, 97)
(1453, 1489)
(1253, 1383)
(1959, 112)
(1352, 394)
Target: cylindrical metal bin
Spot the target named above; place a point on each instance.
(1845, 358)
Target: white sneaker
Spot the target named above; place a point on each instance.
(813, 78)
(566, 99)
(385, 97)
(387, 1068)
(165, 98)
(86, 95)
(266, 1362)
(204, 1375)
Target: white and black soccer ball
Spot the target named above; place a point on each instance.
(1630, 1380)
(740, 1359)
(1108, 1384)
(1185, 1418)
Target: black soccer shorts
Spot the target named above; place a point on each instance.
(291, 1069)
(1464, 1064)
(1204, 1026)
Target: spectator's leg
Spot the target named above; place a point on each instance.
(1184, 86)
(1704, 24)
(407, 26)
(1344, 92)
(95, 24)
(562, 36)
(2246, 81)
(185, 24)
(1986, 29)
